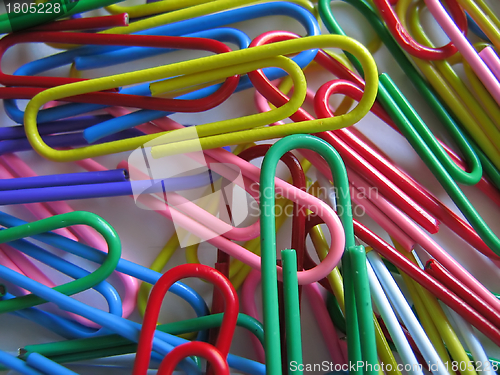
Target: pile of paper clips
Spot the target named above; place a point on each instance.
(379, 308)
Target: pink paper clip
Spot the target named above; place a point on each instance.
(491, 59)
(466, 49)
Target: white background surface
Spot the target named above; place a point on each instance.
(144, 233)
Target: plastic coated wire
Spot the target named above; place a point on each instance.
(402, 109)
(429, 283)
(162, 342)
(203, 24)
(150, 8)
(269, 278)
(17, 364)
(189, 13)
(114, 323)
(124, 266)
(60, 325)
(408, 184)
(485, 18)
(140, 140)
(202, 349)
(104, 288)
(449, 85)
(424, 315)
(292, 307)
(474, 27)
(351, 157)
(420, 84)
(46, 365)
(472, 343)
(187, 26)
(439, 319)
(417, 233)
(336, 282)
(214, 99)
(391, 321)
(75, 124)
(399, 32)
(464, 46)
(92, 347)
(405, 313)
(158, 292)
(67, 179)
(62, 140)
(228, 59)
(444, 276)
(105, 189)
(75, 286)
(19, 168)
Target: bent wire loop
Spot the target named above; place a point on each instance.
(424, 143)
(88, 59)
(75, 286)
(487, 77)
(163, 6)
(181, 28)
(336, 138)
(99, 256)
(405, 40)
(19, 168)
(268, 244)
(473, 163)
(297, 244)
(450, 87)
(400, 178)
(215, 354)
(471, 152)
(334, 282)
(110, 98)
(195, 72)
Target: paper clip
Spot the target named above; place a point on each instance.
(89, 59)
(126, 100)
(224, 63)
(269, 275)
(450, 87)
(89, 236)
(215, 355)
(429, 283)
(400, 178)
(485, 17)
(192, 12)
(473, 163)
(72, 287)
(427, 147)
(114, 344)
(404, 311)
(352, 157)
(127, 54)
(99, 257)
(334, 283)
(297, 243)
(469, 53)
(439, 322)
(398, 31)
